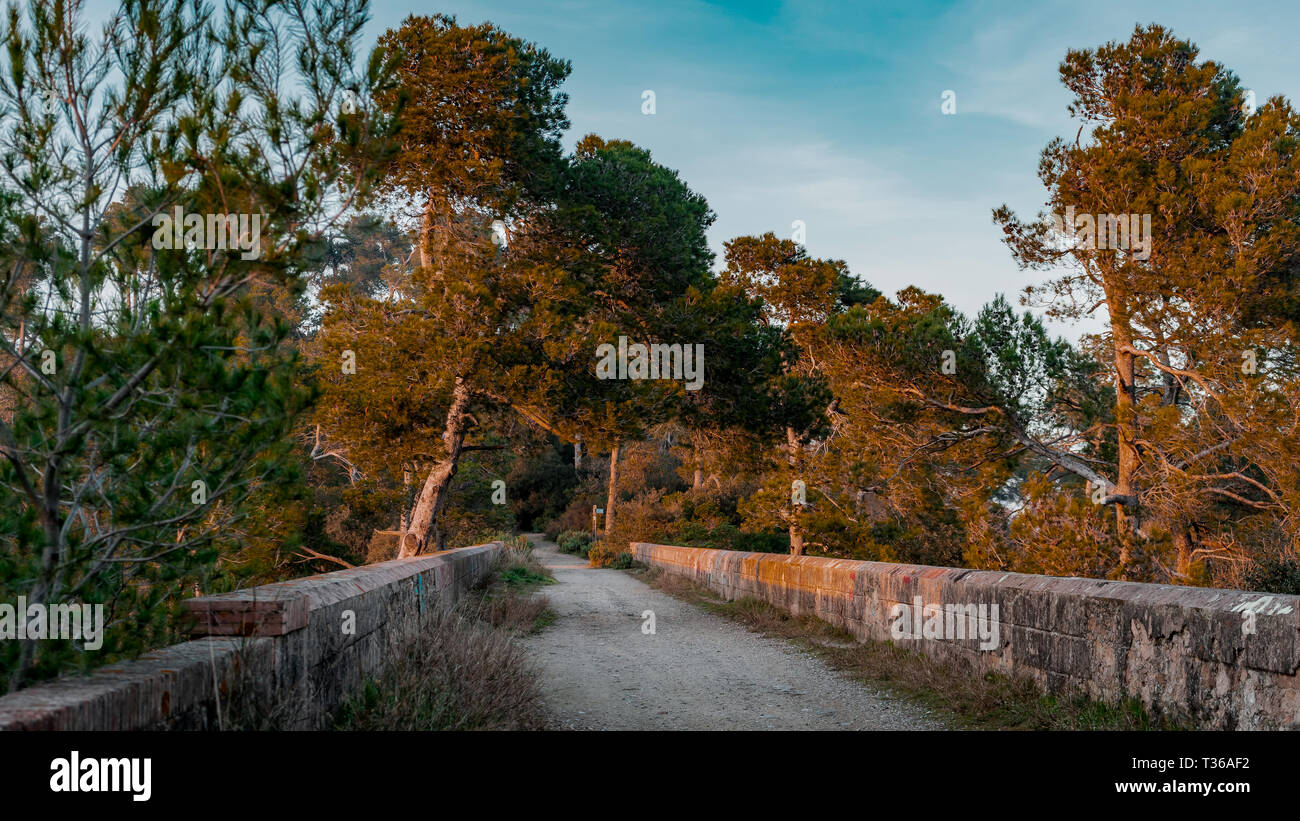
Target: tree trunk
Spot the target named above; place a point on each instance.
(405, 522)
(26, 652)
(48, 585)
(1127, 521)
(796, 532)
(796, 540)
(426, 236)
(437, 487)
(697, 456)
(1185, 544)
(577, 452)
(432, 243)
(613, 488)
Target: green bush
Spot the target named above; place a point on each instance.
(575, 541)
(623, 561)
(517, 542)
(1274, 575)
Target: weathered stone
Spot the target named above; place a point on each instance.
(283, 650)
(1224, 659)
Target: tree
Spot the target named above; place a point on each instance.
(1190, 305)
(627, 238)
(146, 394)
(942, 419)
(481, 127)
(798, 294)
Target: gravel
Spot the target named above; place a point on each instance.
(697, 671)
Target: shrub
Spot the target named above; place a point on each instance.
(516, 544)
(604, 553)
(1273, 575)
(577, 516)
(575, 541)
(624, 561)
(517, 566)
(347, 518)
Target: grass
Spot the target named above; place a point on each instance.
(467, 671)
(518, 577)
(960, 698)
(507, 599)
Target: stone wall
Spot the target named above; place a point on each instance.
(1222, 659)
(281, 653)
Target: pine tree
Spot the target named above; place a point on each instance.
(482, 116)
(146, 394)
(1200, 311)
(798, 295)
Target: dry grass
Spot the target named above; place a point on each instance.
(518, 613)
(509, 600)
(965, 699)
(467, 671)
(462, 673)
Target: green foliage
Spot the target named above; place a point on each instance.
(623, 561)
(630, 238)
(151, 442)
(1274, 575)
(540, 484)
(520, 576)
(575, 541)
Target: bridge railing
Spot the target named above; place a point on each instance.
(288, 652)
(1224, 659)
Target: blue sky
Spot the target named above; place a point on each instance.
(830, 112)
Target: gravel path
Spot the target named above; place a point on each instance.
(698, 671)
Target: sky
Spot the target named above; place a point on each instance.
(830, 113)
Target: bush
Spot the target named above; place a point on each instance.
(574, 541)
(515, 543)
(576, 517)
(1273, 575)
(466, 670)
(605, 553)
(624, 561)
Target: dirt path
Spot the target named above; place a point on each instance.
(698, 671)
